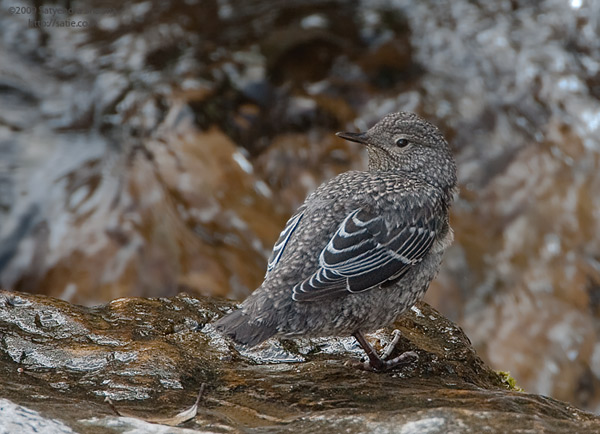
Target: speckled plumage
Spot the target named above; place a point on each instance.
(364, 246)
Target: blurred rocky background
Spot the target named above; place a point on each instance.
(159, 147)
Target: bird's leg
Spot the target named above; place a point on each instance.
(377, 363)
(389, 348)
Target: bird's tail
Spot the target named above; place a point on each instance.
(237, 326)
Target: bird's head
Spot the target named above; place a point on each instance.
(404, 141)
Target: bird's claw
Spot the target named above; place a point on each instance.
(376, 363)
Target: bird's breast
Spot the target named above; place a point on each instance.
(443, 242)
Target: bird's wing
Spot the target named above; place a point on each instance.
(284, 237)
(369, 249)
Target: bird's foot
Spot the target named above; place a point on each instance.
(383, 363)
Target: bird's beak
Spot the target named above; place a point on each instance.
(353, 137)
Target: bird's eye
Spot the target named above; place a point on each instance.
(401, 143)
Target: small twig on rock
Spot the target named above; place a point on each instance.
(178, 419)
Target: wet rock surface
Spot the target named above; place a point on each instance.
(161, 148)
(150, 356)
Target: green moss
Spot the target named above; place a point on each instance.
(509, 381)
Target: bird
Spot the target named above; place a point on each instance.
(363, 247)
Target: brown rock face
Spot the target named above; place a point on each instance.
(150, 356)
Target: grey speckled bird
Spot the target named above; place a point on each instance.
(363, 247)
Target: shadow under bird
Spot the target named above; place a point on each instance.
(364, 246)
